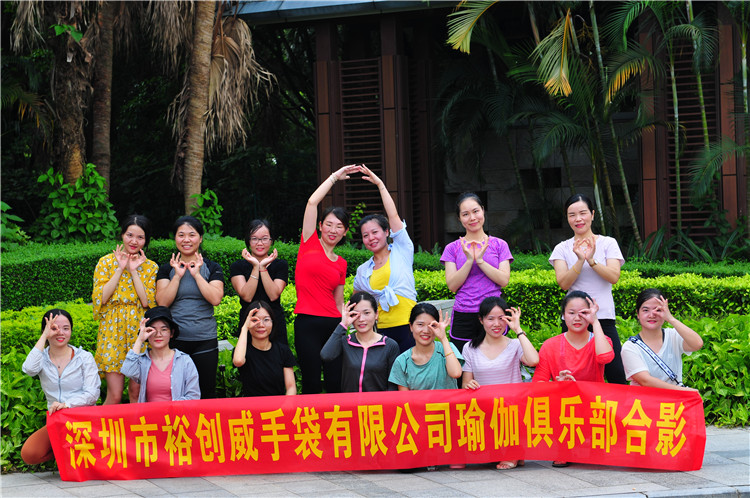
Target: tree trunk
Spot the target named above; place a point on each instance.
(70, 91)
(197, 108)
(102, 105)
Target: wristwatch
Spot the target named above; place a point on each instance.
(595, 262)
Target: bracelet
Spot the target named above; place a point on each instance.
(449, 353)
(253, 276)
(520, 333)
(264, 269)
(333, 179)
(574, 269)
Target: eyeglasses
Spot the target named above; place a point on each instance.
(266, 321)
(255, 240)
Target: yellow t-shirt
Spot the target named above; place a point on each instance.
(396, 315)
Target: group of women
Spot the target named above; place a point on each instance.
(157, 325)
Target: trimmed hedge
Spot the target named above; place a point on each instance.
(37, 274)
(719, 370)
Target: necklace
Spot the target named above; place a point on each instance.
(60, 365)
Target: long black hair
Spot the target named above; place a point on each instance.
(485, 308)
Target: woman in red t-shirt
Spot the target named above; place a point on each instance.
(576, 354)
(319, 277)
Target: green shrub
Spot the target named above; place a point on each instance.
(10, 233)
(23, 407)
(75, 212)
(720, 369)
(36, 274)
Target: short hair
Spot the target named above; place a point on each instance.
(194, 223)
(339, 213)
(377, 218)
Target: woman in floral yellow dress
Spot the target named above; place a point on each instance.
(124, 287)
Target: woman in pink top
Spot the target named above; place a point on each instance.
(493, 358)
(576, 354)
(165, 374)
(591, 263)
(476, 266)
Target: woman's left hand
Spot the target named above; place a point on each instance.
(438, 328)
(135, 261)
(268, 259)
(592, 249)
(194, 267)
(56, 406)
(479, 249)
(513, 319)
(370, 176)
(590, 314)
(664, 311)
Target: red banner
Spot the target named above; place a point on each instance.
(574, 421)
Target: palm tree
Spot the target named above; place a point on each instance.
(70, 87)
(221, 84)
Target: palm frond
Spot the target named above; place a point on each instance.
(620, 19)
(552, 53)
(704, 38)
(170, 24)
(634, 61)
(462, 22)
(234, 82)
(706, 166)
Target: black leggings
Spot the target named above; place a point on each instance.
(205, 355)
(464, 328)
(401, 334)
(310, 335)
(613, 371)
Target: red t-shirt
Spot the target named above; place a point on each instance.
(557, 354)
(159, 383)
(316, 278)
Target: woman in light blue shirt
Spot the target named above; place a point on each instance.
(388, 274)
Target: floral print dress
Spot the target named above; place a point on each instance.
(120, 316)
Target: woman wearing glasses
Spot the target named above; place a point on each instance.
(261, 276)
(266, 367)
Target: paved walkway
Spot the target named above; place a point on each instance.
(725, 472)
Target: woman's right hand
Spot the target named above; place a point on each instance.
(565, 375)
(144, 332)
(56, 406)
(50, 327)
(122, 257)
(179, 267)
(348, 315)
(251, 321)
(343, 172)
(513, 319)
(248, 256)
(467, 249)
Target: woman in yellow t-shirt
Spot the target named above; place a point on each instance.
(388, 274)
